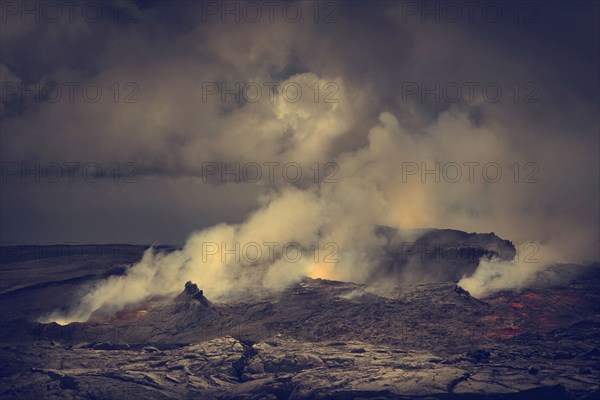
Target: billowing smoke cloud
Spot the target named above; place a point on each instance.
(524, 170)
(494, 275)
(373, 187)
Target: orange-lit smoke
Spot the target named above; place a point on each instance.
(322, 271)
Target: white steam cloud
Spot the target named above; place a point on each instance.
(371, 189)
(495, 275)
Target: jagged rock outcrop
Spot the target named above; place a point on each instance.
(436, 255)
(192, 292)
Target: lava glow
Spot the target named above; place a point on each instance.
(322, 271)
(126, 315)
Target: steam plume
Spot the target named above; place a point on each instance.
(371, 190)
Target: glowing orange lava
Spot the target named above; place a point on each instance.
(322, 271)
(131, 314)
(534, 296)
(516, 304)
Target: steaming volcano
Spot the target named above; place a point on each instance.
(395, 257)
(317, 338)
(364, 199)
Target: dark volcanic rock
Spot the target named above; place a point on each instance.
(436, 255)
(479, 355)
(110, 346)
(68, 382)
(321, 339)
(533, 370)
(226, 368)
(190, 292)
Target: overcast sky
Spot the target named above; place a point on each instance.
(359, 97)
